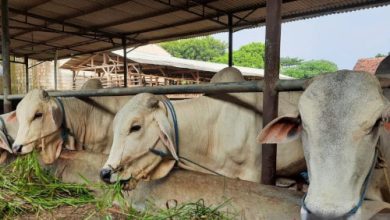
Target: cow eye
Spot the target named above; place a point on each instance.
(135, 128)
(38, 115)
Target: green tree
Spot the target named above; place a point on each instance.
(290, 61)
(310, 68)
(380, 55)
(249, 55)
(201, 48)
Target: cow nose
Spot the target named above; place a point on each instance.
(105, 175)
(17, 148)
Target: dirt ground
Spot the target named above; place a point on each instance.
(73, 213)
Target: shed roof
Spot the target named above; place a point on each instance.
(75, 27)
(147, 58)
(155, 55)
(368, 64)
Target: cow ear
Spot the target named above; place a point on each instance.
(49, 154)
(162, 169)
(386, 118)
(3, 156)
(281, 130)
(11, 118)
(166, 131)
(55, 113)
(4, 144)
(386, 126)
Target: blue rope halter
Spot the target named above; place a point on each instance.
(64, 129)
(172, 111)
(363, 193)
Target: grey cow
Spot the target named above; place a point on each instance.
(342, 116)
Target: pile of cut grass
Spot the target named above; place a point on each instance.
(25, 188)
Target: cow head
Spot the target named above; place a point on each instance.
(340, 117)
(8, 129)
(141, 128)
(40, 118)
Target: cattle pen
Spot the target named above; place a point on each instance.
(51, 30)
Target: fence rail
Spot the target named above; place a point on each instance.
(210, 88)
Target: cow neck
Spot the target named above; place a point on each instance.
(184, 162)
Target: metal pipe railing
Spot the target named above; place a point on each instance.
(210, 88)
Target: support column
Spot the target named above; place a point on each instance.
(55, 69)
(125, 65)
(7, 107)
(26, 70)
(230, 24)
(270, 100)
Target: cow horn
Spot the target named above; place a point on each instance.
(152, 102)
(44, 95)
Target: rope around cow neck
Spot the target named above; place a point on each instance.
(63, 127)
(385, 169)
(363, 192)
(169, 106)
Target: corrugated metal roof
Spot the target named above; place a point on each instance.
(74, 27)
(147, 58)
(155, 55)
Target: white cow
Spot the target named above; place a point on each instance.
(341, 116)
(9, 126)
(77, 123)
(244, 200)
(216, 134)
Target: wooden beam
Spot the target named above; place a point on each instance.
(5, 42)
(271, 77)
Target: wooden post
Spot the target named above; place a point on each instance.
(55, 69)
(230, 24)
(124, 45)
(7, 107)
(26, 70)
(270, 100)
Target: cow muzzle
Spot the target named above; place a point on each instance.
(105, 175)
(17, 149)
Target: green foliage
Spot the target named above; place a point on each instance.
(380, 55)
(249, 55)
(201, 48)
(26, 189)
(290, 61)
(309, 68)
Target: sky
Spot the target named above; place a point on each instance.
(340, 38)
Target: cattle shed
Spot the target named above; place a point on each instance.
(150, 65)
(56, 29)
